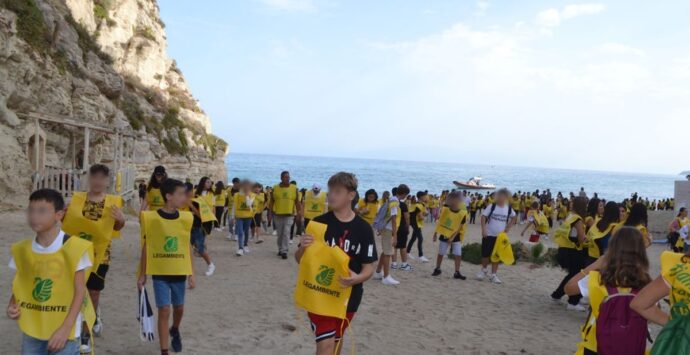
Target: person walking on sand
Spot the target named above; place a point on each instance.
(497, 218)
(285, 205)
(351, 233)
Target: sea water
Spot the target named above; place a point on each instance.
(382, 175)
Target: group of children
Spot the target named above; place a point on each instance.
(601, 245)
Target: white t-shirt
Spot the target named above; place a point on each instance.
(394, 212)
(499, 219)
(84, 263)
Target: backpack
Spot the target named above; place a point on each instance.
(673, 338)
(620, 330)
(491, 212)
(381, 218)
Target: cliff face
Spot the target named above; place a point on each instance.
(102, 62)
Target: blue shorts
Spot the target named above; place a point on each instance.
(32, 346)
(199, 240)
(168, 292)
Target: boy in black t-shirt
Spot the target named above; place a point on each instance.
(354, 235)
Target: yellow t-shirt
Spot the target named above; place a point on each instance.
(369, 210)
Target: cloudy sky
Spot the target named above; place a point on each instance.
(584, 85)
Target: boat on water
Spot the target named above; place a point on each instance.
(474, 183)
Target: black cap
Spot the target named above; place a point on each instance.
(159, 169)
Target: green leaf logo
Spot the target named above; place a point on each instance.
(42, 289)
(170, 245)
(156, 199)
(325, 275)
(85, 236)
(315, 206)
(285, 194)
(448, 223)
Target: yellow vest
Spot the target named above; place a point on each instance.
(562, 235)
(421, 209)
(593, 234)
(314, 206)
(371, 209)
(641, 228)
(43, 286)
(220, 198)
(259, 203)
(450, 223)
(318, 288)
(541, 221)
(99, 232)
(398, 217)
(154, 199)
(242, 210)
(284, 199)
(167, 243)
(206, 211)
(676, 271)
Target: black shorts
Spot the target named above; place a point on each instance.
(488, 246)
(401, 242)
(96, 280)
(256, 221)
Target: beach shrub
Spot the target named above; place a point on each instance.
(535, 254)
(550, 257)
(472, 253)
(30, 24)
(520, 251)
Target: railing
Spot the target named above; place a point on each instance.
(65, 181)
(69, 181)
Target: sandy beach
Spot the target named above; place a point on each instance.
(247, 307)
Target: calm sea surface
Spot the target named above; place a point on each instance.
(384, 174)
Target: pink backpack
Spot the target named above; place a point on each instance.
(620, 330)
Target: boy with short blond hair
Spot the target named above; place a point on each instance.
(351, 233)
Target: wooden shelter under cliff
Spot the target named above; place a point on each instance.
(70, 177)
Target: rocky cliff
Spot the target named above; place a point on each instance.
(99, 61)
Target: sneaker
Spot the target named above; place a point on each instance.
(85, 347)
(576, 308)
(481, 275)
(584, 301)
(423, 259)
(378, 276)
(390, 281)
(406, 267)
(259, 241)
(555, 300)
(246, 250)
(217, 229)
(283, 255)
(411, 257)
(275, 233)
(175, 340)
(436, 272)
(98, 325)
(290, 242)
(394, 266)
(210, 270)
(239, 252)
(459, 276)
(229, 236)
(495, 280)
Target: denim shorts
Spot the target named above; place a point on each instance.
(199, 240)
(169, 292)
(33, 346)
